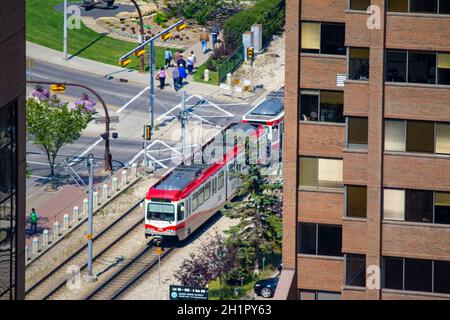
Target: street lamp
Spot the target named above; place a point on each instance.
(105, 135)
(125, 59)
(141, 40)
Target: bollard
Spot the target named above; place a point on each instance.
(56, 230)
(76, 214)
(124, 177)
(85, 207)
(45, 238)
(134, 170)
(229, 80)
(96, 199)
(114, 184)
(206, 75)
(26, 253)
(66, 222)
(35, 246)
(105, 192)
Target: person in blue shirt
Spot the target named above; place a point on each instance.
(183, 74)
(168, 57)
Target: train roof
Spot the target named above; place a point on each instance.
(181, 177)
(186, 178)
(270, 109)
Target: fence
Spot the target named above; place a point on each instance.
(231, 64)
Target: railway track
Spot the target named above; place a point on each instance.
(57, 278)
(129, 274)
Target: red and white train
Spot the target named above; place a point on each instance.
(270, 114)
(191, 194)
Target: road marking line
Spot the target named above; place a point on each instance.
(132, 100)
(85, 152)
(39, 163)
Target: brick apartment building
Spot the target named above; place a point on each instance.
(367, 150)
(12, 149)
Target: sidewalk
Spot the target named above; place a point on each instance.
(47, 55)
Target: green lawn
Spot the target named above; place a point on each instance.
(45, 27)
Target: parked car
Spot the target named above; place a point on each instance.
(266, 287)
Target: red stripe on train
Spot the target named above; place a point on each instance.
(175, 228)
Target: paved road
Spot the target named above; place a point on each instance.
(133, 116)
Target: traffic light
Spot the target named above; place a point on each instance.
(181, 27)
(250, 55)
(124, 63)
(139, 53)
(166, 36)
(57, 88)
(148, 132)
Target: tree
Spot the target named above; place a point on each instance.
(259, 212)
(214, 260)
(51, 124)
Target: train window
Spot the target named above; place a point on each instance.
(214, 186)
(195, 201)
(201, 196)
(220, 180)
(180, 212)
(208, 191)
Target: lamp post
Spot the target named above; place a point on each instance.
(65, 31)
(142, 35)
(151, 43)
(105, 135)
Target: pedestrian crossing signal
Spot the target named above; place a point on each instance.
(148, 133)
(57, 88)
(250, 54)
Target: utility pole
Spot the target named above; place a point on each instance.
(90, 165)
(65, 31)
(183, 120)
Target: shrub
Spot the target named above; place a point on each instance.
(161, 17)
(269, 13)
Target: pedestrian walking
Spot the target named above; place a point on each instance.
(176, 57)
(181, 60)
(182, 73)
(204, 39)
(168, 57)
(162, 78)
(191, 60)
(176, 78)
(215, 34)
(33, 221)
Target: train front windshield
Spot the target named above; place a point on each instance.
(161, 212)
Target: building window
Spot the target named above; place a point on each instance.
(359, 4)
(443, 67)
(417, 67)
(317, 239)
(359, 64)
(332, 38)
(442, 207)
(395, 135)
(356, 201)
(322, 106)
(417, 206)
(8, 199)
(358, 133)
(318, 295)
(394, 204)
(442, 276)
(417, 136)
(321, 172)
(355, 270)
(396, 66)
(325, 38)
(419, 6)
(393, 273)
(416, 275)
(420, 136)
(398, 5)
(421, 67)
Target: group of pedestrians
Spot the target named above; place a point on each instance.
(183, 67)
(179, 71)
